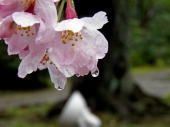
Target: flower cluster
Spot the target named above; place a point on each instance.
(32, 30)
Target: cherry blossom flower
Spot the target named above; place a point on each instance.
(80, 45)
(38, 58)
(23, 30)
(27, 29)
(34, 55)
(8, 7)
(33, 25)
(72, 46)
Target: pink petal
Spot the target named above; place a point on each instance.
(82, 59)
(7, 27)
(23, 53)
(57, 77)
(47, 11)
(7, 7)
(82, 71)
(8, 2)
(30, 63)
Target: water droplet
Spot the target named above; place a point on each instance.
(59, 88)
(29, 68)
(95, 73)
(59, 84)
(78, 75)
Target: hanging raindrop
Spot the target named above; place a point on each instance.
(59, 88)
(95, 73)
(59, 85)
(29, 68)
(78, 75)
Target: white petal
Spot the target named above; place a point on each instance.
(25, 19)
(68, 71)
(101, 42)
(95, 22)
(56, 0)
(96, 41)
(72, 24)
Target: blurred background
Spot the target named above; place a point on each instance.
(133, 87)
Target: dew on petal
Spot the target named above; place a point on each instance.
(59, 85)
(78, 75)
(59, 88)
(29, 68)
(95, 73)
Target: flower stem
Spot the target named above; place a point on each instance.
(72, 3)
(61, 9)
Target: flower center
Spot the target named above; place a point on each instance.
(27, 3)
(69, 35)
(11, 25)
(24, 31)
(45, 59)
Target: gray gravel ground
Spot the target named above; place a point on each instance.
(156, 84)
(18, 99)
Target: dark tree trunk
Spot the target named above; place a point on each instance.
(113, 89)
(146, 11)
(114, 78)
